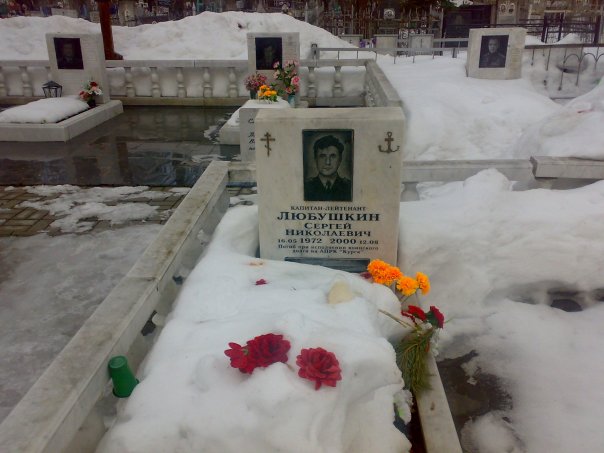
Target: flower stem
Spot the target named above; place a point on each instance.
(400, 321)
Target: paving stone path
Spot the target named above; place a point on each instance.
(17, 220)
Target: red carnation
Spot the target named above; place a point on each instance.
(241, 358)
(436, 318)
(319, 365)
(93, 84)
(268, 349)
(261, 282)
(414, 312)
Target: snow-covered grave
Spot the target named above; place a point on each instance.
(297, 309)
(53, 119)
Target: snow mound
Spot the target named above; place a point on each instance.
(217, 36)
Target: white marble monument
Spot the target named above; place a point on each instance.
(329, 184)
(495, 53)
(265, 49)
(75, 60)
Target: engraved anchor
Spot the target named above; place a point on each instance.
(388, 140)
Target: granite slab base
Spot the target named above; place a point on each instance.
(63, 131)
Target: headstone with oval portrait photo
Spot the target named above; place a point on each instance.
(266, 49)
(495, 53)
(329, 184)
(77, 59)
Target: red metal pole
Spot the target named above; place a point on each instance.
(105, 19)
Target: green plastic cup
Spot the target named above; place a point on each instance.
(123, 379)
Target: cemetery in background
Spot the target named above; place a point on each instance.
(547, 19)
(328, 80)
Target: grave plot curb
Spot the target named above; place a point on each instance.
(64, 410)
(58, 413)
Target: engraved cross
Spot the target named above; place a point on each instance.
(267, 138)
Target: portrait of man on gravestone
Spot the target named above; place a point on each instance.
(69, 53)
(492, 51)
(328, 164)
(268, 52)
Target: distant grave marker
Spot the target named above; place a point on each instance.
(75, 60)
(495, 53)
(329, 185)
(418, 42)
(265, 49)
(386, 42)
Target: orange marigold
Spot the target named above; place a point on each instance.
(423, 281)
(407, 285)
(392, 274)
(377, 267)
(383, 273)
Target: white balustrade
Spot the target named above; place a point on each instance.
(219, 80)
(180, 80)
(26, 82)
(130, 90)
(337, 83)
(233, 91)
(3, 91)
(312, 78)
(155, 87)
(207, 83)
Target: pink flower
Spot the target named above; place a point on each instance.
(296, 80)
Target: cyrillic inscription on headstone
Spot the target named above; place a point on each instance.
(329, 189)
